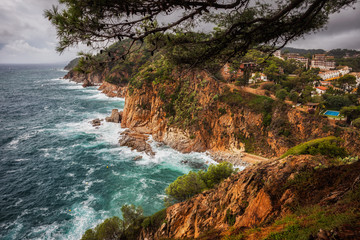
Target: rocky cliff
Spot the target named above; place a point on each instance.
(193, 111)
(261, 196)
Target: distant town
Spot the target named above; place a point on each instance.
(329, 73)
(314, 81)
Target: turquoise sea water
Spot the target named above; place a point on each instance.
(53, 160)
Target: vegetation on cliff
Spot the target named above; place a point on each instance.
(193, 183)
(328, 146)
(127, 228)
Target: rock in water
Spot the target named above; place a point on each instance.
(115, 117)
(96, 122)
(136, 141)
(137, 158)
(87, 83)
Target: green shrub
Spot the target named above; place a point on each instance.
(231, 98)
(154, 221)
(115, 228)
(348, 160)
(267, 120)
(261, 104)
(216, 173)
(230, 218)
(222, 111)
(186, 186)
(356, 123)
(328, 146)
(281, 94)
(193, 183)
(111, 228)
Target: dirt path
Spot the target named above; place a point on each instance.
(237, 158)
(253, 159)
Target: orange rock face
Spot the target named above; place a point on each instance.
(257, 195)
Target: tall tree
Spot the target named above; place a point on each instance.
(241, 24)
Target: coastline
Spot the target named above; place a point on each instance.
(239, 159)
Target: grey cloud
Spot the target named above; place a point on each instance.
(342, 31)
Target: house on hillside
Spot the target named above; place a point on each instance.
(258, 77)
(321, 90)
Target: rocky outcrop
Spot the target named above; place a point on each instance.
(136, 141)
(115, 117)
(87, 83)
(112, 90)
(96, 122)
(256, 196)
(92, 79)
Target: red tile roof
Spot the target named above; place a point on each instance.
(322, 88)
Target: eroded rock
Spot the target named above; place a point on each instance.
(136, 141)
(96, 122)
(115, 117)
(87, 83)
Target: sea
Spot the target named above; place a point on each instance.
(59, 175)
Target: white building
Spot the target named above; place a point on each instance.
(258, 77)
(321, 90)
(334, 74)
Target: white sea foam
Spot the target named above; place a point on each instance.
(21, 160)
(84, 217)
(13, 144)
(18, 202)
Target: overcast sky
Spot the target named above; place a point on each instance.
(27, 37)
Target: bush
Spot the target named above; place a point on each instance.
(115, 228)
(328, 146)
(267, 86)
(281, 94)
(186, 186)
(231, 98)
(193, 183)
(261, 104)
(111, 228)
(356, 123)
(267, 120)
(222, 111)
(154, 221)
(294, 96)
(216, 173)
(348, 160)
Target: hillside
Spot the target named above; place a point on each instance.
(294, 198)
